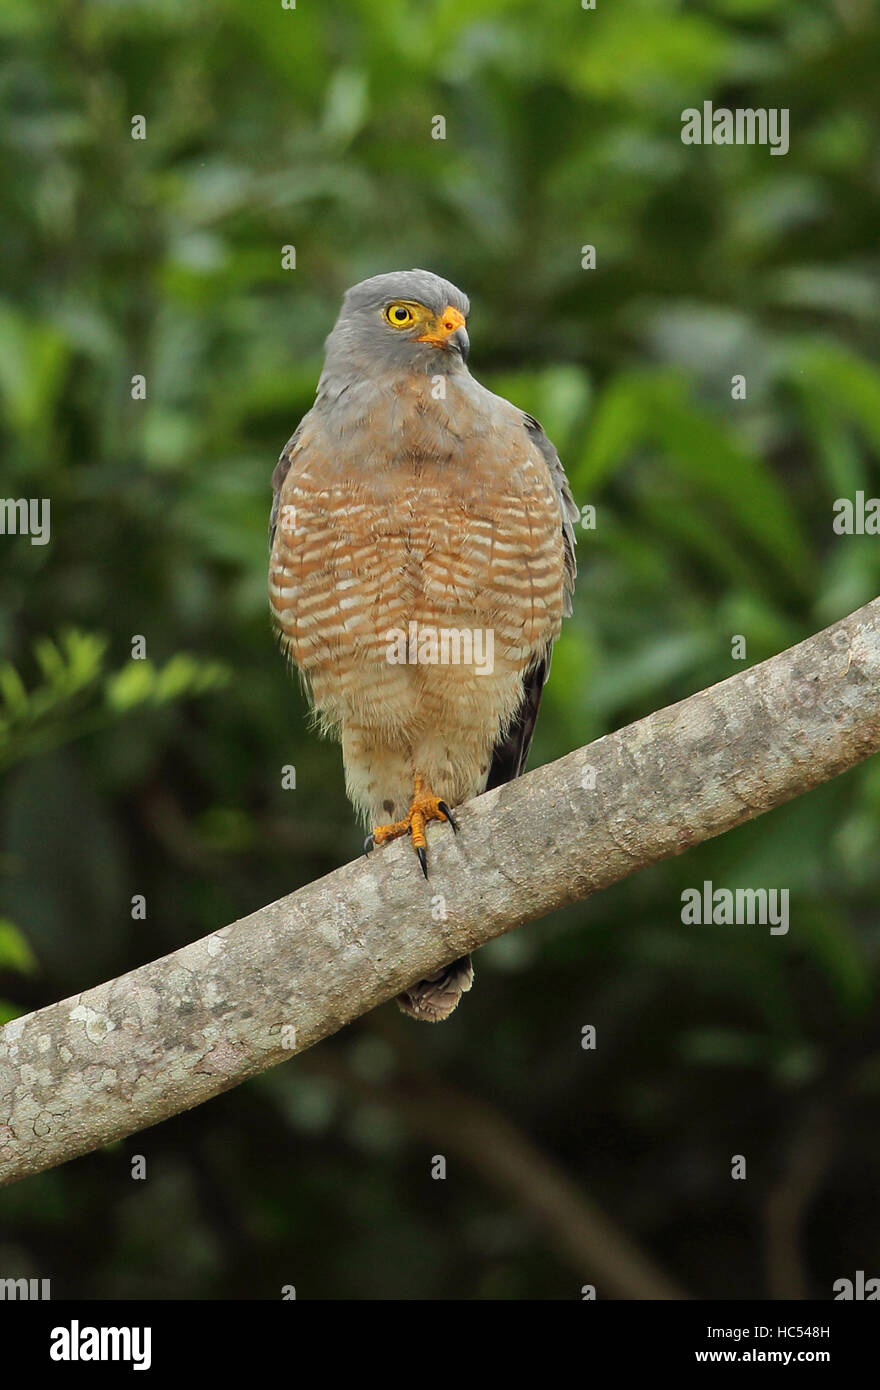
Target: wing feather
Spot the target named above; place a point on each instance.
(282, 468)
(512, 749)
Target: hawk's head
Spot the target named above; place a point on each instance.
(406, 318)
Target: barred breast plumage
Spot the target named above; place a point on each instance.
(393, 519)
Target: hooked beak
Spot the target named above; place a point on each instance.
(448, 331)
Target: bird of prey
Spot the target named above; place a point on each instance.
(416, 514)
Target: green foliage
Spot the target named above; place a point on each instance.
(16, 956)
(15, 953)
(76, 696)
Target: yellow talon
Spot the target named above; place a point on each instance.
(425, 807)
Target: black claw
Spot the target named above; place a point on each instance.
(369, 845)
(423, 860)
(441, 806)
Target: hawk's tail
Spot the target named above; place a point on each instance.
(434, 998)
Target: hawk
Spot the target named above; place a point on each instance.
(422, 562)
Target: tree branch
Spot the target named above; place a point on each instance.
(170, 1035)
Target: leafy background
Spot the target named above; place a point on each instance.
(268, 127)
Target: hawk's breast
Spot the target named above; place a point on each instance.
(439, 520)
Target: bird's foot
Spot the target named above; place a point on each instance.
(425, 807)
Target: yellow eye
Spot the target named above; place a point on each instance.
(400, 315)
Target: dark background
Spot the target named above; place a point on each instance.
(312, 128)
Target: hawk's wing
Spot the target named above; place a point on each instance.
(282, 468)
(510, 752)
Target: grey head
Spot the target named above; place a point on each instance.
(407, 320)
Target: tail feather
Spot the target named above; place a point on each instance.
(432, 999)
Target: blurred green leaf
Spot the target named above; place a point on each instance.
(15, 953)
